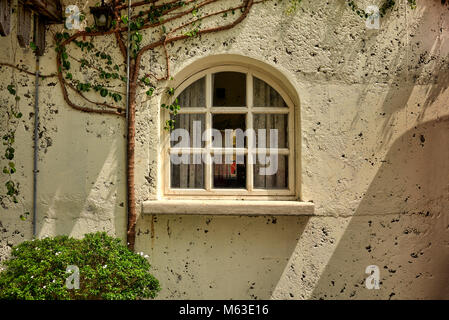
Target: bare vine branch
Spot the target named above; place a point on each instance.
(5, 64)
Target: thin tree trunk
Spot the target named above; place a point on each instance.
(132, 217)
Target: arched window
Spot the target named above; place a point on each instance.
(233, 137)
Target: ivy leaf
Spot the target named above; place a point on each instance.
(66, 64)
(116, 97)
(150, 92)
(11, 89)
(33, 46)
(9, 153)
(103, 92)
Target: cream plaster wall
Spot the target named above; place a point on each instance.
(374, 157)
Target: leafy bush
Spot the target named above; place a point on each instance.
(107, 270)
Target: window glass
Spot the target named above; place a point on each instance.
(187, 175)
(229, 171)
(265, 96)
(194, 96)
(194, 125)
(229, 89)
(271, 172)
(271, 125)
(229, 123)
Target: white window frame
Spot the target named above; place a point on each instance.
(291, 193)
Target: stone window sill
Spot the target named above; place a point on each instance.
(228, 207)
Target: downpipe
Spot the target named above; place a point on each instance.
(36, 146)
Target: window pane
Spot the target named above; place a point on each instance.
(229, 89)
(223, 122)
(188, 175)
(271, 123)
(271, 172)
(194, 96)
(194, 125)
(229, 171)
(266, 96)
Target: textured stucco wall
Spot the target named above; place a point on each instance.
(374, 136)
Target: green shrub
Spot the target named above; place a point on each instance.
(107, 270)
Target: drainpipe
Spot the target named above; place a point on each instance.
(36, 136)
(127, 100)
(36, 141)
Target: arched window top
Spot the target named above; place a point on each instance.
(267, 90)
(264, 95)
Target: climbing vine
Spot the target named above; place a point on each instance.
(13, 114)
(97, 77)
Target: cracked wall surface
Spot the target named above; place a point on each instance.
(374, 126)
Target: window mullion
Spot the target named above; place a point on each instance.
(208, 160)
(249, 127)
(291, 141)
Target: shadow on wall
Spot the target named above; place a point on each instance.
(213, 257)
(401, 225)
(81, 179)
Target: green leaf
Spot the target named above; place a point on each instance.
(66, 64)
(33, 46)
(116, 97)
(11, 89)
(103, 92)
(9, 153)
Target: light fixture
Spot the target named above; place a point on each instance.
(103, 16)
